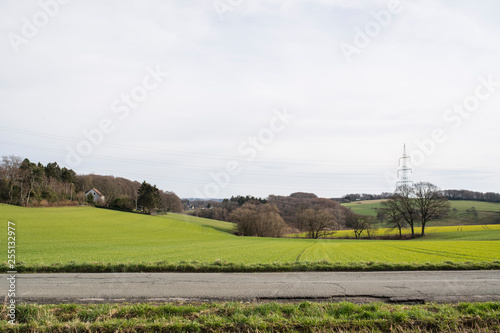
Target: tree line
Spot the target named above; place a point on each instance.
(280, 215)
(275, 216)
(471, 195)
(449, 194)
(26, 183)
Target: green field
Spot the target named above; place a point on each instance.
(45, 236)
(488, 212)
(366, 207)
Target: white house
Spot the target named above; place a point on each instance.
(96, 194)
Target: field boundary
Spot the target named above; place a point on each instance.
(230, 267)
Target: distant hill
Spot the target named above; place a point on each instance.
(463, 212)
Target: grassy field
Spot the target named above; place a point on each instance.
(76, 235)
(488, 212)
(458, 204)
(366, 207)
(265, 317)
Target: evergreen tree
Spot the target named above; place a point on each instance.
(148, 197)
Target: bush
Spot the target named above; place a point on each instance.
(123, 203)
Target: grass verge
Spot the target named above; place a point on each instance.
(252, 317)
(224, 266)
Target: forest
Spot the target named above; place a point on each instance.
(26, 183)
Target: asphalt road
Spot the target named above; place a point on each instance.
(404, 287)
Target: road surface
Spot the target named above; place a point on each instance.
(404, 287)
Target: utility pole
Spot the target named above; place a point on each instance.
(404, 171)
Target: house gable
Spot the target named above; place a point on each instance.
(95, 193)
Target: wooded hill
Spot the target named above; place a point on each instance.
(26, 183)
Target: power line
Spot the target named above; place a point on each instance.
(202, 155)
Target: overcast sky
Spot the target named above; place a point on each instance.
(261, 96)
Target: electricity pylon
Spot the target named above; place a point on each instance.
(404, 171)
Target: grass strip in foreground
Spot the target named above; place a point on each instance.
(224, 266)
(255, 317)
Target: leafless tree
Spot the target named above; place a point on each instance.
(258, 220)
(392, 215)
(402, 204)
(290, 206)
(10, 165)
(317, 222)
(421, 202)
(359, 224)
(170, 202)
(430, 203)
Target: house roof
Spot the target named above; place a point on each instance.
(96, 191)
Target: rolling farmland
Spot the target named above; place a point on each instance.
(488, 212)
(84, 234)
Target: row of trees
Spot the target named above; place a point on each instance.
(123, 194)
(25, 183)
(363, 196)
(240, 200)
(413, 205)
(305, 212)
(279, 215)
(471, 195)
(449, 194)
(409, 206)
(120, 193)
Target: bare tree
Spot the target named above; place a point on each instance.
(273, 223)
(360, 223)
(430, 203)
(421, 202)
(80, 197)
(11, 166)
(214, 213)
(402, 204)
(317, 222)
(394, 218)
(170, 202)
(245, 217)
(258, 220)
(371, 229)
